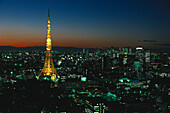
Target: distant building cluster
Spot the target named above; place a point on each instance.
(91, 81)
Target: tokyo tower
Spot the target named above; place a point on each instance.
(48, 71)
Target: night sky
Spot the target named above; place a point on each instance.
(86, 23)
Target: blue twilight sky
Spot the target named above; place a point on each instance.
(89, 23)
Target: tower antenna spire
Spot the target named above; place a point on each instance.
(48, 13)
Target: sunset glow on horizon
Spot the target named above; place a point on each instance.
(91, 23)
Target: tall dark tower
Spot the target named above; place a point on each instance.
(49, 70)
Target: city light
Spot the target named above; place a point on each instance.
(112, 60)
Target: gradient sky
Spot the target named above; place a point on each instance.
(89, 23)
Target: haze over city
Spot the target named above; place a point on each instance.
(86, 23)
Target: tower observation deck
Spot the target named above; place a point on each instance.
(48, 71)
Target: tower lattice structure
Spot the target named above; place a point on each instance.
(48, 70)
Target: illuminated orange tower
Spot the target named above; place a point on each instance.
(48, 71)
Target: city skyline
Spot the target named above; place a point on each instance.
(101, 56)
(96, 23)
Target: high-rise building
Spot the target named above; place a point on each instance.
(48, 71)
(84, 50)
(147, 56)
(140, 54)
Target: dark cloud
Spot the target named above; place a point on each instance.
(150, 41)
(168, 44)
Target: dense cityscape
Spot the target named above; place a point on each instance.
(99, 81)
(97, 61)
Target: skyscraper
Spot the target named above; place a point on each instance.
(48, 71)
(140, 54)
